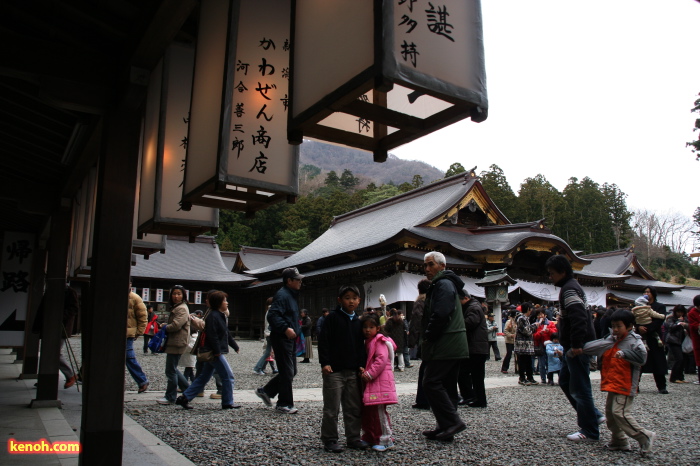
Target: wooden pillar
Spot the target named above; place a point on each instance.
(104, 331)
(30, 364)
(52, 329)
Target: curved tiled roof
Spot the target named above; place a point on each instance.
(378, 222)
(198, 262)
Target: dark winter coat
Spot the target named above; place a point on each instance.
(444, 334)
(477, 334)
(576, 324)
(341, 343)
(284, 311)
(395, 330)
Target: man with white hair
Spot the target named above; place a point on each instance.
(444, 346)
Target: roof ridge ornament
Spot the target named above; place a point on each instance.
(471, 175)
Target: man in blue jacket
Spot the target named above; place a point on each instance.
(283, 317)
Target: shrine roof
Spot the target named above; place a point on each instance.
(254, 258)
(378, 222)
(184, 261)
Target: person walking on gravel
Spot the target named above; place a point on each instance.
(283, 317)
(575, 330)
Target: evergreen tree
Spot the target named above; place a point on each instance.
(332, 179)
(417, 181)
(293, 240)
(347, 180)
(454, 169)
(538, 199)
(497, 187)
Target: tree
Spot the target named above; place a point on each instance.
(417, 181)
(495, 183)
(293, 240)
(308, 172)
(619, 215)
(332, 179)
(385, 191)
(347, 180)
(539, 199)
(659, 234)
(695, 145)
(454, 169)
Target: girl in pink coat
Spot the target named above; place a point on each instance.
(380, 389)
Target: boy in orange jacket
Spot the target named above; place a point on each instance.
(623, 354)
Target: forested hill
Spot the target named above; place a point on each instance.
(395, 171)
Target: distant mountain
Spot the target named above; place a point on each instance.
(329, 157)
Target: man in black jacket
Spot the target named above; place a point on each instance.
(472, 371)
(575, 330)
(283, 317)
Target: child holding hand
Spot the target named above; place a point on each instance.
(623, 354)
(380, 389)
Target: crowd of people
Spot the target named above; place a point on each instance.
(452, 333)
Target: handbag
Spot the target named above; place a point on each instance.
(687, 345)
(300, 345)
(205, 356)
(159, 341)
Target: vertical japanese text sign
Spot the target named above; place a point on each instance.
(159, 295)
(17, 250)
(246, 99)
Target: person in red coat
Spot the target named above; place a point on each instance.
(694, 323)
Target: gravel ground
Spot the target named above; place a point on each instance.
(521, 426)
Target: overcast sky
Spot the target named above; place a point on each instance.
(601, 88)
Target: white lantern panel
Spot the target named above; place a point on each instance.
(442, 40)
(334, 42)
(205, 112)
(149, 152)
(259, 150)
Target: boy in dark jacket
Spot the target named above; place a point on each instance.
(341, 352)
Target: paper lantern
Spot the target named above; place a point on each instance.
(376, 74)
(238, 156)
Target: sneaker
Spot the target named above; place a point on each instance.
(200, 394)
(601, 420)
(523, 382)
(533, 382)
(143, 388)
(259, 372)
(697, 382)
(408, 366)
(618, 446)
(260, 392)
(165, 401)
(383, 447)
(579, 437)
(215, 396)
(287, 409)
(645, 447)
(333, 447)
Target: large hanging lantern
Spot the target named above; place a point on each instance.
(80, 254)
(238, 156)
(163, 151)
(376, 74)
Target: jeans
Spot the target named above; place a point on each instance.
(496, 352)
(174, 376)
(220, 365)
(266, 352)
(198, 370)
(509, 352)
(575, 382)
(281, 384)
(133, 365)
(341, 388)
(146, 339)
(542, 363)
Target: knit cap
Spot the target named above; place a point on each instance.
(641, 301)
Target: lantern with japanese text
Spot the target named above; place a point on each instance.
(238, 156)
(163, 151)
(376, 74)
